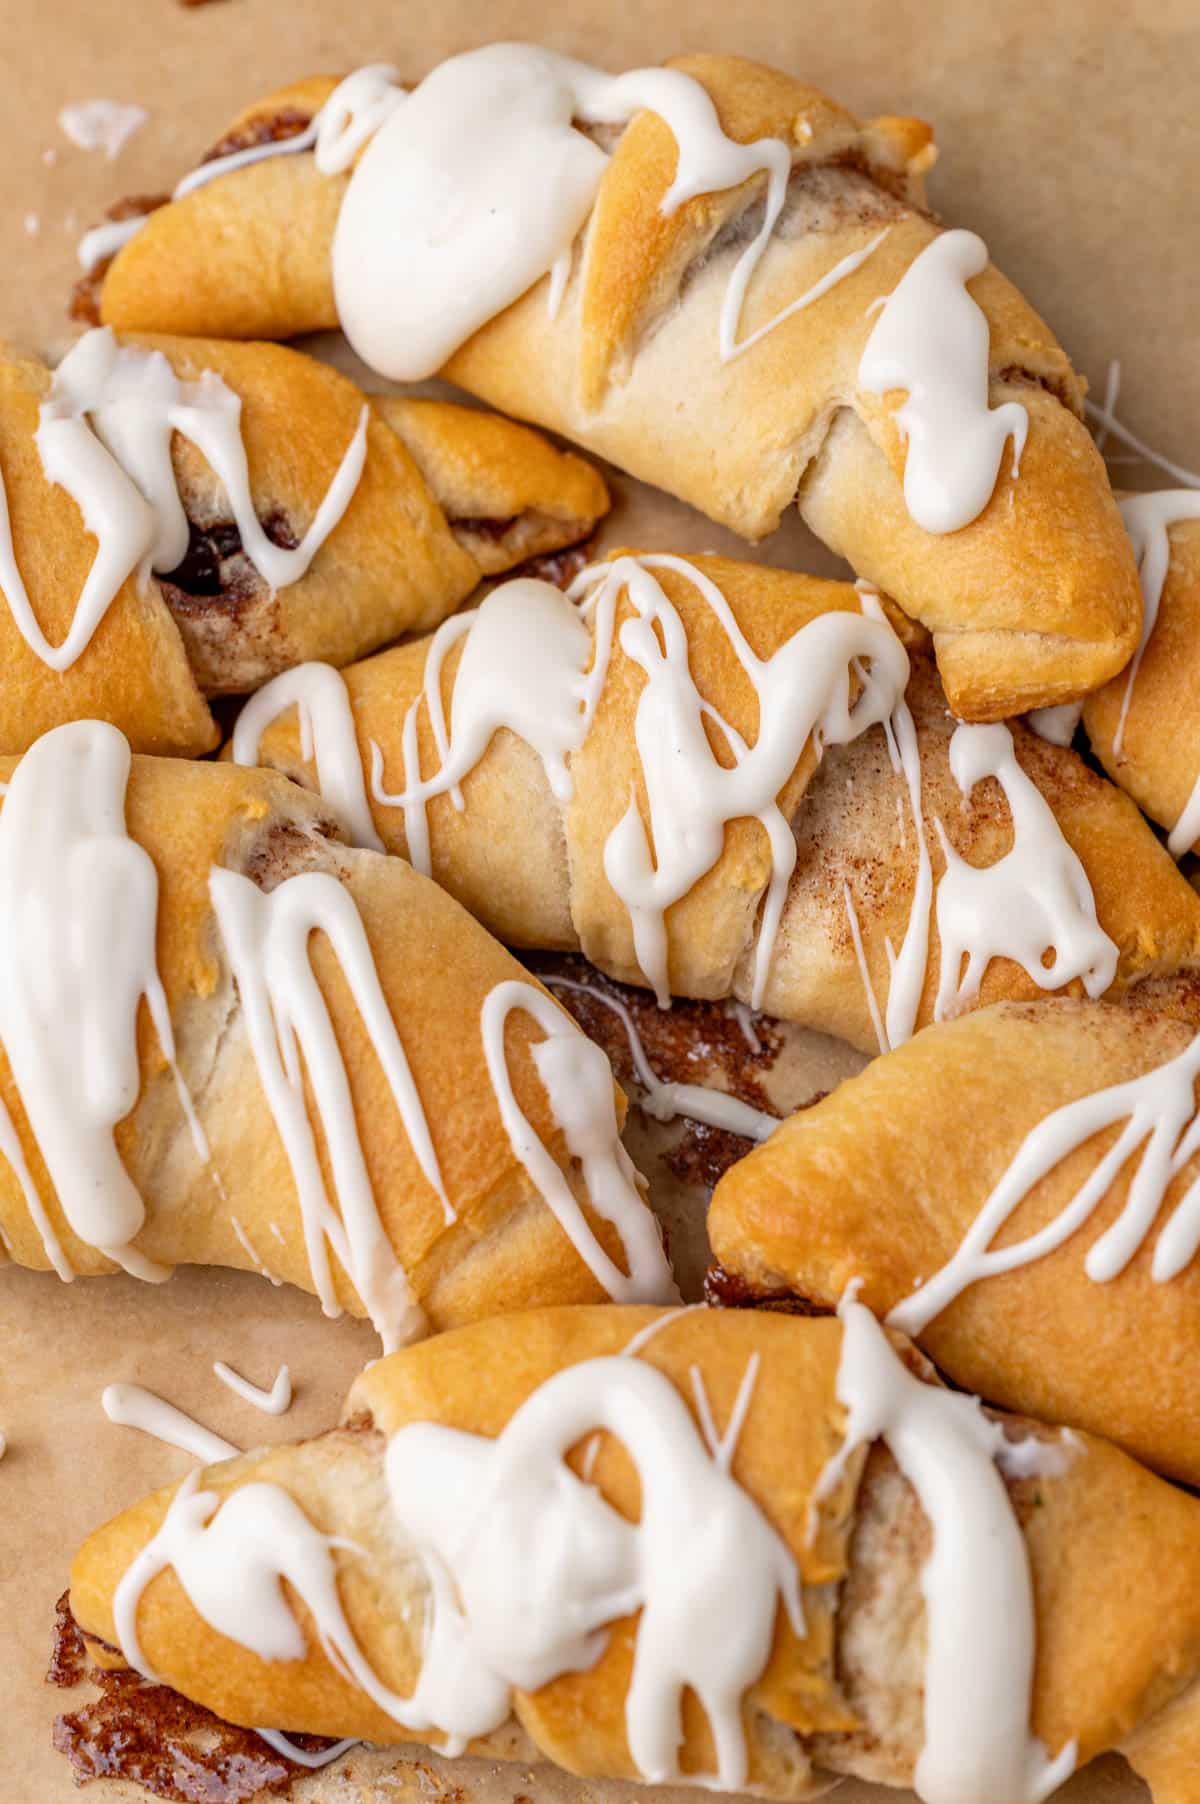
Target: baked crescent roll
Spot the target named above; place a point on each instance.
(736, 1548)
(227, 1039)
(188, 518)
(1023, 866)
(733, 290)
(1021, 1191)
(1143, 726)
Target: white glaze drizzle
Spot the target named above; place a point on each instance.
(527, 1565)
(311, 1760)
(528, 671)
(803, 691)
(981, 1632)
(104, 435)
(321, 699)
(79, 901)
(274, 1402)
(1108, 422)
(1034, 899)
(932, 340)
(488, 142)
(1158, 1111)
(266, 937)
(579, 1085)
(1186, 831)
(1056, 725)
(540, 1564)
(247, 1245)
(667, 1101)
(743, 1014)
(131, 1406)
(105, 125)
(353, 112)
(1148, 519)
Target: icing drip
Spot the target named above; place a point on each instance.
(907, 968)
(79, 901)
(1056, 725)
(1158, 1113)
(104, 125)
(353, 112)
(478, 185)
(275, 1402)
(667, 1101)
(980, 1626)
(322, 702)
(1186, 830)
(525, 668)
(528, 1564)
(932, 340)
(803, 691)
(104, 435)
(1148, 519)
(301, 1756)
(130, 1406)
(579, 1084)
(1034, 900)
(291, 1035)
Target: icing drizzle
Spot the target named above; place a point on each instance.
(932, 340)
(490, 141)
(981, 1634)
(322, 702)
(579, 1084)
(521, 674)
(131, 1406)
(1148, 519)
(337, 133)
(266, 937)
(79, 901)
(104, 435)
(1159, 1122)
(526, 1564)
(1034, 900)
(667, 1101)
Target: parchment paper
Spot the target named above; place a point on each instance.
(1070, 138)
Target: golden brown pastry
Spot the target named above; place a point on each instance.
(922, 1175)
(131, 591)
(1144, 726)
(726, 1546)
(738, 362)
(228, 1039)
(1047, 858)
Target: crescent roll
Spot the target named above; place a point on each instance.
(1023, 865)
(646, 307)
(1143, 726)
(187, 518)
(931, 1177)
(759, 1551)
(227, 1039)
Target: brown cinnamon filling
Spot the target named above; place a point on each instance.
(557, 567)
(274, 128)
(215, 573)
(85, 296)
(270, 128)
(148, 1735)
(729, 1290)
(688, 1043)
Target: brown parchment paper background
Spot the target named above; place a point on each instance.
(1070, 138)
